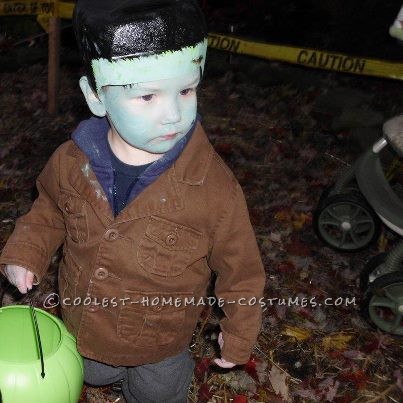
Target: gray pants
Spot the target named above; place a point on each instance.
(166, 381)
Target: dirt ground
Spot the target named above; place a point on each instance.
(286, 133)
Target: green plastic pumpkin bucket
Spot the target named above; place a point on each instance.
(26, 375)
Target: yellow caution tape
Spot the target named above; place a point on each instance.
(23, 7)
(308, 57)
(65, 10)
(43, 21)
(44, 9)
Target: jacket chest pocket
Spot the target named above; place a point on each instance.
(151, 319)
(167, 248)
(75, 217)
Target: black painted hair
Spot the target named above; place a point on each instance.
(113, 29)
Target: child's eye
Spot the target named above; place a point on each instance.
(147, 98)
(187, 91)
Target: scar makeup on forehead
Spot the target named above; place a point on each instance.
(166, 65)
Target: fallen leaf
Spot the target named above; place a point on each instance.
(358, 378)
(307, 393)
(240, 399)
(300, 219)
(299, 333)
(239, 381)
(399, 379)
(202, 367)
(265, 395)
(286, 267)
(352, 354)
(281, 310)
(283, 216)
(328, 388)
(250, 369)
(336, 341)
(204, 394)
(278, 380)
(379, 341)
(275, 237)
(261, 370)
(296, 247)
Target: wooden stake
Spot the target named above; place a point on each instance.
(53, 64)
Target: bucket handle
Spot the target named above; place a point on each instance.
(38, 336)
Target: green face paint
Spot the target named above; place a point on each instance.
(139, 69)
(154, 115)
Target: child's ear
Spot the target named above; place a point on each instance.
(94, 103)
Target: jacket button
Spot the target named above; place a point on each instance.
(67, 208)
(171, 239)
(111, 235)
(157, 308)
(101, 273)
(93, 308)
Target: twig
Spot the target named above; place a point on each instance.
(383, 394)
(203, 325)
(337, 159)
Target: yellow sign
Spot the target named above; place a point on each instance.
(309, 57)
(42, 8)
(302, 56)
(65, 10)
(27, 7)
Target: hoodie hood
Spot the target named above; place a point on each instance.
(91, 136)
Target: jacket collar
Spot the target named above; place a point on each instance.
(190, 167)
(194, 162)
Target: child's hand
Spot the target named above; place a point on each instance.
(221, 362)
(20, 277)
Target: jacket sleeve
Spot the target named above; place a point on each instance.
(39, 233)
(240, 279)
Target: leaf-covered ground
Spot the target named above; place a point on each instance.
(286, 139)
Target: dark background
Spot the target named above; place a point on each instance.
(286, 132)
(355, 27)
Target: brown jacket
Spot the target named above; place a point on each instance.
(118, 274)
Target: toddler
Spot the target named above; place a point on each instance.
(144, 207)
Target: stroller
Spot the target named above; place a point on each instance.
(348, 218)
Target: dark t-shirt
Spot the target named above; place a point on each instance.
(125, 177)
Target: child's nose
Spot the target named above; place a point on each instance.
(172, 113)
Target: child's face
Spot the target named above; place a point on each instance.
(152, 116)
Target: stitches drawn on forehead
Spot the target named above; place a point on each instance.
(167, 65)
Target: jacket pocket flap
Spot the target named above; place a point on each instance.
(171, 235)
(71, 205)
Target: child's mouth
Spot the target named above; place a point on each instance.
(168, 136)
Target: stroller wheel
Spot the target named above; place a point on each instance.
(383, 303)
(346, 222)
(372, 270)
(330, 191)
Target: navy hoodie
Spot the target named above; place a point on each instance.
(91, 136)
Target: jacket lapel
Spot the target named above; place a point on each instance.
(164, 196)
(84, 181)
(160, 197)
